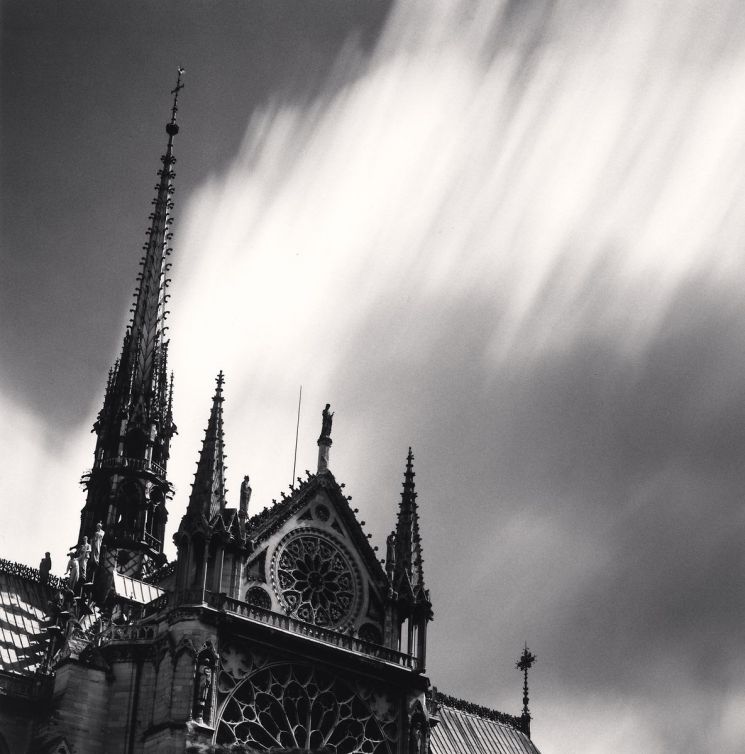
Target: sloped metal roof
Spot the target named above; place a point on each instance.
(23, 604)
(135, 590)
(462, 732)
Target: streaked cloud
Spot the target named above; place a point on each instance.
(510, 235)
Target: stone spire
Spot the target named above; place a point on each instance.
(127, 486)
(406, 545)
(208, 491)
(140, 389)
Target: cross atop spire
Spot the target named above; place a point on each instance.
(172, 127)
(524, 664)
(208, 491)
(147, 326)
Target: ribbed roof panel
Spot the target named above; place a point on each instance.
(465, 733)
(23, 605)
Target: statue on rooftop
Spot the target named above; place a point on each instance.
(73, 570)
(45, 566)
(326, 419)
(96, 546)
(84, 552)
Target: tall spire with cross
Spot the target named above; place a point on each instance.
(145, 342)
(127, 486)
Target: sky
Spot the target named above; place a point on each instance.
(508, 234)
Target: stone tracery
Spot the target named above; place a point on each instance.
(314, 579)
(298, 706)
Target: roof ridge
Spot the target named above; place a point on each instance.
(477, 710)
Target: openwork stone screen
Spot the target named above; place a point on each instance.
(282, 705)
(314, 579)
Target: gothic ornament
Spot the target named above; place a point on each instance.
(314, 579)
(300, 707)
(259, 597)
(204, 681)
(418, 730)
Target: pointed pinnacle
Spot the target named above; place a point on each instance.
(208, 490)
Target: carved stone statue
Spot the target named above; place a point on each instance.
(204, 691)
(84, 552)
(326, 419)
(96, 546)
(73, 570)
(245, 498)
(417, 736)
(45, 566)
(418, 730)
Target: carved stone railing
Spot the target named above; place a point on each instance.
(268, 618)
(133, 464)
(156, 605)
(32, 574)
(126, 634)
(163, 572)
(30, 687)
(325, 635)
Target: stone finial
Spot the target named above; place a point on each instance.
(208, 490)
(524, 664)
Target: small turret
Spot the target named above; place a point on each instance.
(407, 567)
(409, 608)
(211, 539)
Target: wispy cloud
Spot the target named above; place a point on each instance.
(508, 234)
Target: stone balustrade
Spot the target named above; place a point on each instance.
(325, 635)
(269, 618)
(31, 687)
(133, 464)
(135, 632)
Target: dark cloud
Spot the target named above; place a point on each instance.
(591, 502)
(82, 92)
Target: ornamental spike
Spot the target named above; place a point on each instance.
(524, 664)
(208, 491)
(404, 546)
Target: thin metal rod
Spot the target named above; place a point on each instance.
(297, 432)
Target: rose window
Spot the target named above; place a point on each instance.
(295, 707)
(314, 579)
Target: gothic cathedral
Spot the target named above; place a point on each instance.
(280, 631)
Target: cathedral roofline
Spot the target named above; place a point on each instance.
(263, 524)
